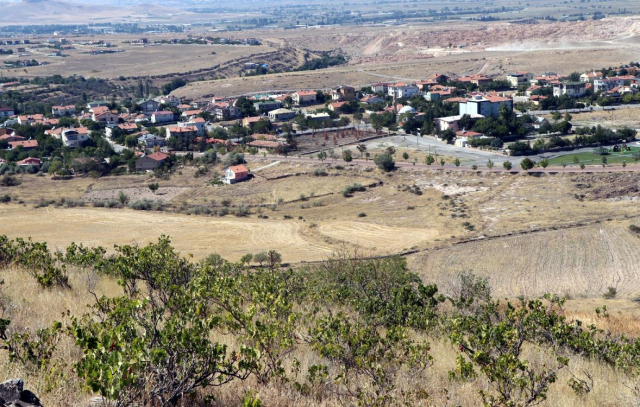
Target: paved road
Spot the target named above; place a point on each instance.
(450, 167)
(116, 147)
(428, 144)
(587, 109)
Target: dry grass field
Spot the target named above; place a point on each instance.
(136, 60)
(580, 262)
(389, 218)
(612, 118)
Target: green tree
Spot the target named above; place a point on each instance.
(490, 165)
(507, 165)
(527, 164)
(544, 163)
(154, 187)
(346, 156)
(429, 159)
(456, 162)
(385, 162)
(405, 156)
(448, 136)
(322, 155)
(131, 141)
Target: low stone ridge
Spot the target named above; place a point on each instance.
(13, 394)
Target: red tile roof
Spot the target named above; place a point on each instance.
(30, 161)
(24, 144)
(158, 156)
(239, 169)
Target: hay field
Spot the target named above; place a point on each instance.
(580, 262)
(136, 60)
(229, 236)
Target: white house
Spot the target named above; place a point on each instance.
(281, 115)
(63, 110)
(304, 97)
(571, 89)
(402, 90)
(72, 138)
(235, 174)
(485, 105)
(163, 116)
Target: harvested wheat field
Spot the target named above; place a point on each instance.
(384, 238)
(583, 261)
(200, 236)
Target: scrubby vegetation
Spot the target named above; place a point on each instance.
(344, 332)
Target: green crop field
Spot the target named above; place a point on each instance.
(595, 159)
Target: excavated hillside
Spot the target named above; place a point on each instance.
(410, 43)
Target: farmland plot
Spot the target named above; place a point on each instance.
(582, 262)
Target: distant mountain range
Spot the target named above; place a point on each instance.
(67, 12)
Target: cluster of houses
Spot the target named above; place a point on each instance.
(177, 119)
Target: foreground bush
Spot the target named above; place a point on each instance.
(349, 331)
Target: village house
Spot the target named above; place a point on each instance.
(518, 79)
(424, 86)
(343, 93)
(571, 89)
(183, 108)
(279, 115)
(264, 144)
(304, 97)
(6, 111)
(191, 113)
(224, 113)
(590, 77)
(235, 174)
(72, 138)
(198, 122)
(336, 106)
(149, 140)
(249, 122)
(163, 116)
(126, 127)
(402, 90)
(267, 106)
(453, 122)
(10, 135)
(318, 117)
(380, 87)
(150, 162)
(171, 101)
(536, 99)
(148, 105)
(25, 144)
(484, 104)
(547, 79)
(438, 77)
(463, 136)
(63, 110)
(372, 99)
(102, 114)
(476, 79)
(533, 90)
(607, 84)
(96, 103)
(179, 131)
(29, 162)
(435, 95)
